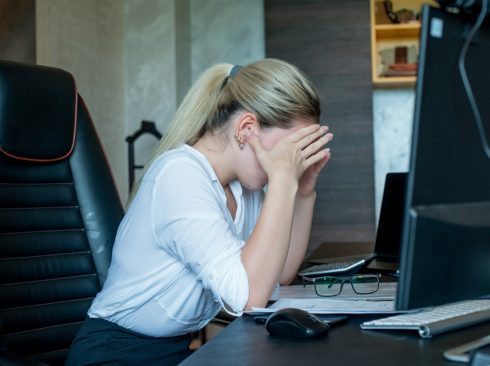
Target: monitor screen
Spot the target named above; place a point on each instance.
(389, 233)
(445, 254)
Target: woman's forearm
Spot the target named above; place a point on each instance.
(300, 236)
(264, 255)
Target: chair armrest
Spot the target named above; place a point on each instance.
(223, 318)
(8, 358)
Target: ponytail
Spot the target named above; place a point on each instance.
(274, 90)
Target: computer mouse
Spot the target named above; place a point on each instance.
(296, 323)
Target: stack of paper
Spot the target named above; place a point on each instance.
(347, 302)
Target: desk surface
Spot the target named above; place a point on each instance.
(245, 343)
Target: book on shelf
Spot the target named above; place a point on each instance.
(400, 69)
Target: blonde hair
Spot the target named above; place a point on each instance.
(274, 90)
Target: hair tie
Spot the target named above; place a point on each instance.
(234, 70)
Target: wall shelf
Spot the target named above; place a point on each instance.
(389, 36)
(387, 31)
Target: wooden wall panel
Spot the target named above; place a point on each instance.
(330, 41)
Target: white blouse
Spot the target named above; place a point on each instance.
(177, 255)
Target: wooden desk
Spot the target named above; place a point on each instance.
(245, 343)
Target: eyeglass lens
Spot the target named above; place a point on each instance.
(365, 284)
(331, 286)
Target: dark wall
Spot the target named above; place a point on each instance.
(17, 30)
(330, 41)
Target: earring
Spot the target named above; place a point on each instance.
(241, 145)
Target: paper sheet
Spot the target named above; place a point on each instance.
(347, 302)
(387, 291)
(329, 306)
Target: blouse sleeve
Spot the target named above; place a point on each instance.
(190, 224)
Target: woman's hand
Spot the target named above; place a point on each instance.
(294, 155)
(309, 178)
(285, 163)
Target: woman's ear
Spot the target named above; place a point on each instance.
(247, 126)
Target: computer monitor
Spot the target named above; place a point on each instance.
(445, 254)
(389, 232)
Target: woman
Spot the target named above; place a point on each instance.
(200, 234)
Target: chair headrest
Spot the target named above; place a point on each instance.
(38, 112)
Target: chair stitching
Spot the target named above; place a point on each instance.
(42, 231)
(42, 328)
(46, 304)
(35, 184)
(49, 352)
(47, 255)
(37, 208)
(49, 279)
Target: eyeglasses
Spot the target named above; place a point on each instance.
(332, 286)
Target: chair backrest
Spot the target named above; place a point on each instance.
(59, 211)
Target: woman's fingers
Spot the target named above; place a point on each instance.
(316, 157)
(317, 144)
(301, 133)
(309, 142)
(310, 138)
(295, 153)
(255, 142)
(321, 164)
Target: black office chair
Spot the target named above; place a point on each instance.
(59, 212)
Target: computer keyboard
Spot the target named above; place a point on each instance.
(438, 319)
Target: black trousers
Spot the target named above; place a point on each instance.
(100, 342)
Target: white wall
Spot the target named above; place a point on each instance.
(86, 39)
(392, 124)
(149, 68)
(230, 31)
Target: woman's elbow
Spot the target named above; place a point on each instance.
(287, 278)
(255, 303)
